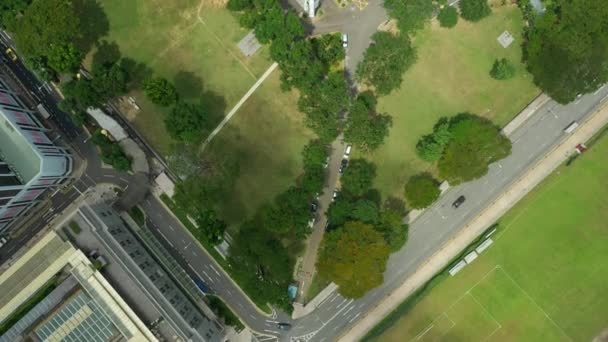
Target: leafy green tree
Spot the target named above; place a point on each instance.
(474, 10)
(160, 91)
(210, 227)
(567, 49)
(392, 227)
(11, 9)
(64, 57)
(448, 16)
(385, 61)
(82, 94)
(354, 257)
(314, 154)
(290, 214)
(110, 81)
(358, 177)
(111, 152)
(430, 147)
(410, 14)
(312, 180)
(270, 24)
(365, 128)
(502, 69)
(339, 212)
(476, 143)
(185, 122)
(421, 190)
(365, 211)
(239, 5)
(328, 48)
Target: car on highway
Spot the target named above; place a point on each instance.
(344, 40)
(11, 54)
(343, 165)
(284, 326)
(458, 202)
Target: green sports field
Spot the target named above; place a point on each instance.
(543, 279)
(450, 76)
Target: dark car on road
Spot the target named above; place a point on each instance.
(343, 165)
(458, 201)
(284, 326)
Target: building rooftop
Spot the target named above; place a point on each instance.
(17, 151)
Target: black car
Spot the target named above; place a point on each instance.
(284, 326)
(313, 207)
(343, 165)
(458, 201)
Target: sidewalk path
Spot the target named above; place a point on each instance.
(238, 106)
(518, 189)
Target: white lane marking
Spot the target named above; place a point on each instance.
(336, 328)
(194, 253)
(347, 311)
(214, 270)
(271, 321)
(354, 318)
(342, 302)
(164, 237)
(252, 316)
(335, 297)
(240, 305)
(210, 279)
(272, 331)
(171, 227)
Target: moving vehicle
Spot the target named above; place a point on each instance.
(344, 40)
(343, 165)
(201, 285)
(284, 326)
(459, 201)
(11, 54)
(45, 113)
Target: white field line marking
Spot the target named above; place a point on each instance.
(458, 300)
(535, 303)
(235, 109)
(485, 310)
(492, 333)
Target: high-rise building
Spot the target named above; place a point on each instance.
(30, 162)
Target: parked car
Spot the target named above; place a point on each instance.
(314, 206)
(459, 201)
(2, 241)
(326, 162)
(347, 151)
(343, 165)
(335, 195)
(344, 40)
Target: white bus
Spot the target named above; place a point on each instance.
(45, 114)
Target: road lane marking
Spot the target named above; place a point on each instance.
(194, 253)
(240, 305)
(210, 279)
(171, 227)
(163, 235)
(598, 90)
(342, 302)
(347, 311)
(335, 297)
(272, 331)
(252, 316)
(214, 270)
(354, 318)
(271, 321)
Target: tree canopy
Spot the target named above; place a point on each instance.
(410, 14)
(567, 49)
(160, 91)
(365, 128)
(448, 16)
(185, 122)
(475, 143)
(502, 69)
(421, 190)
(385, 61)
(358, 177)
(111, 152)
(430, 147)
(354, 257)
(474, 10)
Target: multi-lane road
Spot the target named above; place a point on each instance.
(427, 234)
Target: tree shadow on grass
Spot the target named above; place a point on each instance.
(138, 72)
(190, 87)
(94, 23)
(106, 53)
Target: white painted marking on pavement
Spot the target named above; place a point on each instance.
(354, 318)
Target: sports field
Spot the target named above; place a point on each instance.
(193, 43)
(543, 279)
(451, 76)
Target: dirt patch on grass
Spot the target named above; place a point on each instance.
(213, 3)
(602, 337)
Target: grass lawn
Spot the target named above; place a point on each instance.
(450, 76)
(195, 48)
(544, 278)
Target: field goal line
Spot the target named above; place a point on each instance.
(445, 312)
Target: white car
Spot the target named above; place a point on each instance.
(344, 40)
(2, 241)
(347, 151)
(335, 195)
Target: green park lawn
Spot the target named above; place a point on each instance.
(450, 76)
(196, 49)
(544, 278)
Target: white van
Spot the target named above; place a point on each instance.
(347, 151)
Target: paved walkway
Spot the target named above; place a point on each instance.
(238, 106)
(518, 189)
